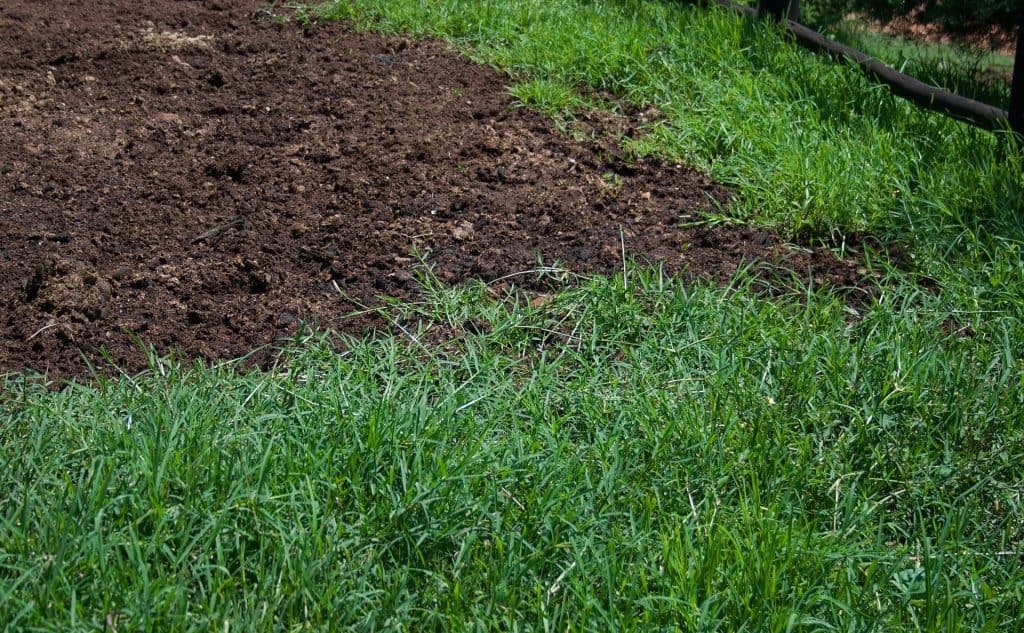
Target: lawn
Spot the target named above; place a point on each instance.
(632, 453)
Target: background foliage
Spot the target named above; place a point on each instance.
(953, 15)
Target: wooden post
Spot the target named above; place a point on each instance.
(778, 9)
(1016, 112)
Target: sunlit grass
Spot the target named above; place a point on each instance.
(620, 458)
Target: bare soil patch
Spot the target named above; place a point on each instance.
(192, 175)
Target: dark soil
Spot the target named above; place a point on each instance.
(204, 178)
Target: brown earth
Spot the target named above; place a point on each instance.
(199, 176)
(916, 26)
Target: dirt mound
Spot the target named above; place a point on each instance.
(69, 287)
(206, 180)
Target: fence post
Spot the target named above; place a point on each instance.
(779, 9)
(1016, 112)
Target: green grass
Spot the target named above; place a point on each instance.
(636, 454)
(632, 457)
(556, 99)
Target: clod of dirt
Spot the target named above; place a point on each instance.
(69, 287)
(463, 231)
(174, 40)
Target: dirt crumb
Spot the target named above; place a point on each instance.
(68, 287)
(175, 41)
